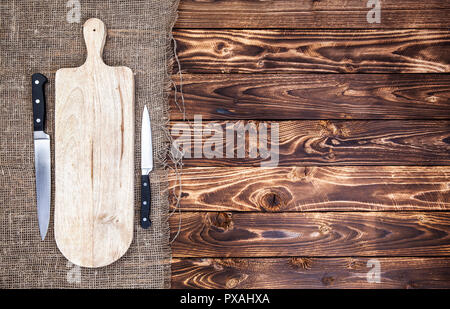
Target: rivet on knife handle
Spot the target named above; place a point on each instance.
(38, 81)
(145, 201)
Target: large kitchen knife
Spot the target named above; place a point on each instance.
(41, 153)
(146, 166)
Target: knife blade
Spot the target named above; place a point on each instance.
(41, 153)
(146, 167)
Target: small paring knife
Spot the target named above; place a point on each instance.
(146, 167)
(41, 153)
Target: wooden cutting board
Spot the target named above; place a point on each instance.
(94, 156)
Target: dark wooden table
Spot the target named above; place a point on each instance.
(363, 178)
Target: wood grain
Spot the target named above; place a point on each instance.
(282, 189)
(306, 143)
(331, 234)
(314, 96)
(341, 188)
(310, 14)
(94, 157)
(313, 51)
(305, 272)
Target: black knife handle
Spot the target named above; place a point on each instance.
(145, 202)
(37, 92)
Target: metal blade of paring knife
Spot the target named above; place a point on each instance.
(146, 166)
(42, 161)
(146, 144)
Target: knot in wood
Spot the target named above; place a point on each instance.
(271, 202)
(300, 263)
(222, 220)
(323, 229)
(330, 156)
(327, 280)
(349, 67)
(272, 199)
(355, 264)
(232, 283)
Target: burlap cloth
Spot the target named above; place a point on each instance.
(36, 36)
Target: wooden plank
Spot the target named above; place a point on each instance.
(313, 51)
(281, 51)
(309, 143)
(310, 14)
(350, 188)
(314, 96)
(303, 272)
(329, 234)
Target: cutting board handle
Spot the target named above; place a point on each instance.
(94, 32)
